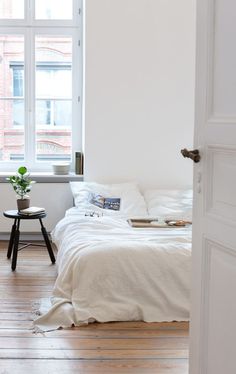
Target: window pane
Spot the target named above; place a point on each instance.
(12, 9)
(62, 113)
(53, 9)
(54, 112)
(43, 112)
(11, 97)
(53, 97)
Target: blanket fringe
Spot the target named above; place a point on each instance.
(40, 307)
(35, 309)
(36, 330)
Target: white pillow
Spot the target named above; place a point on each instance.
(132, 202)
(169, 203)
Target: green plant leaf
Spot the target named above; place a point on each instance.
(21, 183)
(22, 170)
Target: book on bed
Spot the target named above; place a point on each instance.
(157, 223)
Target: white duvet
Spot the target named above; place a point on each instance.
(109, 271)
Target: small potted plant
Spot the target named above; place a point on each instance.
(22, 184)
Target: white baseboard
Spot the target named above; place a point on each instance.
(27, 236)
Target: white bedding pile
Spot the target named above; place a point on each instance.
(109, 271)
(169, 203)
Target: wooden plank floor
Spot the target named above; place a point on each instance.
(98, 348)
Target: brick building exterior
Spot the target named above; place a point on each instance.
(53, 137)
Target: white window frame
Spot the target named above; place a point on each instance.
(30, 28)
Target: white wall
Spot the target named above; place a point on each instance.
(139, 102)
(55, 197)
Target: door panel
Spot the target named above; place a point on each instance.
(220, 276)
(224, 93)
(213, 322)
(221, 183)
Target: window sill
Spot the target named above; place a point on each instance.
(45, 177)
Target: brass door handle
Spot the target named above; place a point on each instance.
(194, 155)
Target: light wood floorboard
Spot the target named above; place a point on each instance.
(121, 347)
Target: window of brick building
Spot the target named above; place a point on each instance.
(40, 82)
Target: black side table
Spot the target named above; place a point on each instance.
(15, 235)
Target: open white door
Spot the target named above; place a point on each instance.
(213, 315)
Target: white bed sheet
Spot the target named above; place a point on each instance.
(109, 271)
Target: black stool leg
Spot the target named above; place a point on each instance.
(16, 243)
(11, 241)
(47, 242)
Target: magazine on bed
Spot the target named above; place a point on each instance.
(155, 222)
(112, 203)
